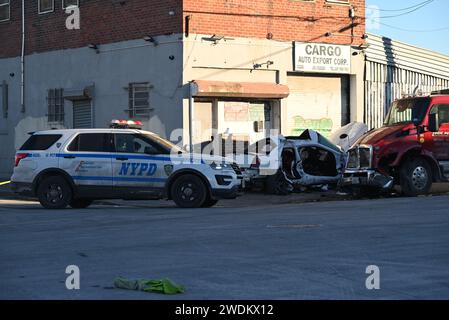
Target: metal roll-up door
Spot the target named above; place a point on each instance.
(317, 102)
(82, 114)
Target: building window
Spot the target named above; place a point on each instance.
(339, 1)
(55, 101)
(4, 98)
(5, 11)
(139, 99)
(69, 3)
(45, 6)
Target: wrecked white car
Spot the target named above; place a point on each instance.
(282, 164)
(279, 164)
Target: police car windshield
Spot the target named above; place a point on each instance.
(406, 110)
(165, 143)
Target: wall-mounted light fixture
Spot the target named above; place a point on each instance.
(94, 46)
(352, 13)
(260, 65)
(214, 38)
(151, 40)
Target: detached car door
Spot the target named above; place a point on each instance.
(87, 159)
(139, 166)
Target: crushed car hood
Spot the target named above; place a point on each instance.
(353, 131)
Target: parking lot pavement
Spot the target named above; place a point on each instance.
(291, 251)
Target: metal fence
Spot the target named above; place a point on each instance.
(394, 70)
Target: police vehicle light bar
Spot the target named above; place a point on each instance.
(126, 124)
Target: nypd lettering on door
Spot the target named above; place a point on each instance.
(137, 169)
(322, 58)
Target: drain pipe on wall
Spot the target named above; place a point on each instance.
(191, 102)
(22, 62)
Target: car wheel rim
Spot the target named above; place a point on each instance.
(54, 193)
(188, 192)
(420, 178)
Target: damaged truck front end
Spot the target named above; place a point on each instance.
(360, 172)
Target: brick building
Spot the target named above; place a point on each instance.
(248, 66)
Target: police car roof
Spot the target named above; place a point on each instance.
(106, 130)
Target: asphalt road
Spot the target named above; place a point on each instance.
(294, 251)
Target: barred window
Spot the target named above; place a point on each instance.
(55, 102)
(139, 99)
(5, 11)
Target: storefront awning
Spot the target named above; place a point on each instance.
(263, 90)
(75, 94)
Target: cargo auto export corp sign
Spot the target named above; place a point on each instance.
(324, 58)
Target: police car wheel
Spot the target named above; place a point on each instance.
(189, 191)
(54, 193)
(209, 203)
(80, 203)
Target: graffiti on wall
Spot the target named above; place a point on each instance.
(257, 112)
(323, 125)
(236, 111)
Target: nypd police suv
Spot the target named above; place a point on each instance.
(74, 167)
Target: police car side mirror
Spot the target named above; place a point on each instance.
(433, 122)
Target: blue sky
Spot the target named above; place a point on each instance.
(430, 17)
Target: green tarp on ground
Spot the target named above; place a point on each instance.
(164, 286)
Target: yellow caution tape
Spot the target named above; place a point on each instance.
(3, 183)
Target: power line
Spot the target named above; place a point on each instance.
(410, 11)
(413, 30)
(403, 9)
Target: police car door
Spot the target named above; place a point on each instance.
(87, 159)
(138, 165)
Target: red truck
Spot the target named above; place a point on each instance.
(410, 150)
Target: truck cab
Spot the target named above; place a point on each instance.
(411, 149)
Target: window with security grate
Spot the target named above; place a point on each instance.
(139, 100)
(55, 102)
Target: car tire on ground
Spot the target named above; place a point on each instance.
(416, 177)
(277, 184)
(209, 203)
(54, 193)
(189, 191)
(80, 203)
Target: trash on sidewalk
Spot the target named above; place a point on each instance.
(164, 286)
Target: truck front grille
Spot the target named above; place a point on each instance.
(353, 159)
(360, 158)
(365, 158)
